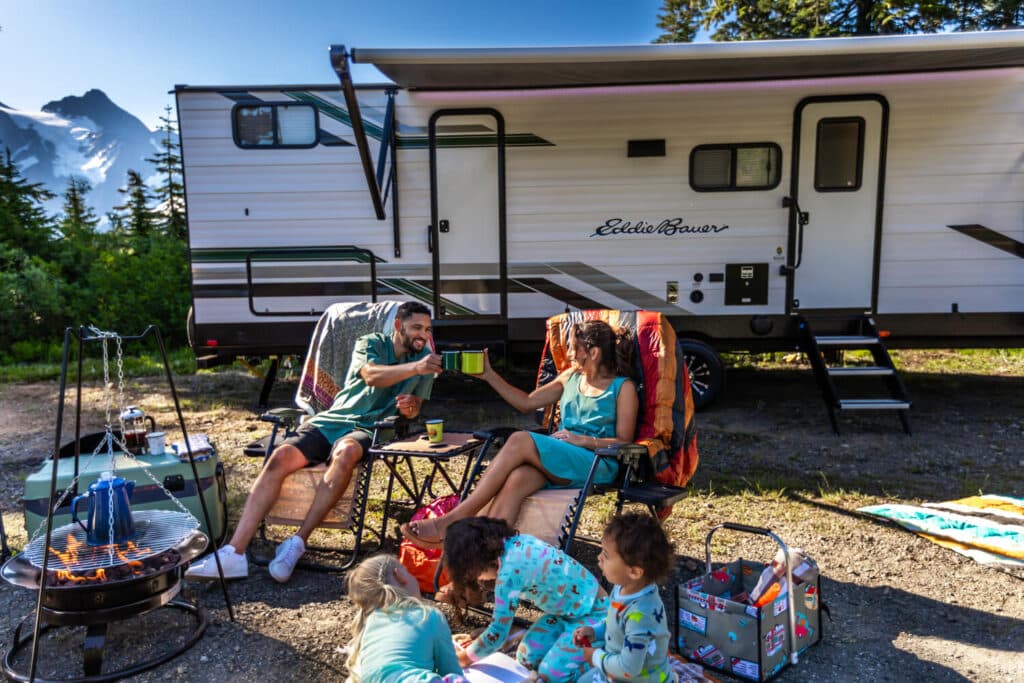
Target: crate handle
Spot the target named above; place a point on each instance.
(790, 600)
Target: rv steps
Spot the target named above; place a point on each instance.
(848, 334)
(846, 341)
(873, 404)
(862, 371)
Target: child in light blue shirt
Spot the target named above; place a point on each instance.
(635, 555)
(397, 638)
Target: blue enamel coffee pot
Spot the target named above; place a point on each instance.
(98, 527)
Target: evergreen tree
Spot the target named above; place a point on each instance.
(23, 223)
(135, 216)
(170, 194)
(78, 217)
(767, 19)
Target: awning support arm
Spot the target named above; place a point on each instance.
(339, 61)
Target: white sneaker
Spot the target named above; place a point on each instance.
(286, 557)
(235, 566)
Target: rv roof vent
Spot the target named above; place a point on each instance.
(646, 148)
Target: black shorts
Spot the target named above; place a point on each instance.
(315, 446)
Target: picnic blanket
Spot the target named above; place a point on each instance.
(330, 349)
(988, 529)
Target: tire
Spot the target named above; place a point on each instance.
(707, 373)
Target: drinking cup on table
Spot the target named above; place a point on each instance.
(435, 431)
(156, 443)
(473, 362)
(451, 360)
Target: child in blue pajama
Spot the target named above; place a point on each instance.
(525, 568)
(397, 638)
(635, 555)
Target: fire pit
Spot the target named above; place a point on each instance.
(84, 588)
(86, 577)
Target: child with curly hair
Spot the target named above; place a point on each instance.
(635, 556)
(397, 637)
(525, 569)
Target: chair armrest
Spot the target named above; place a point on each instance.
(284, 416)
(495, 433)
(626, 453)
(398, 423)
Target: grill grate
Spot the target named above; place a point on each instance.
(157, 531)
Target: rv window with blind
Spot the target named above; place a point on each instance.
(267, 126)
(735, 167)
(839, 158)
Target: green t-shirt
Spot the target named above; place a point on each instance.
(358, 405)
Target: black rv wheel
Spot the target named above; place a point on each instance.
(707, 374)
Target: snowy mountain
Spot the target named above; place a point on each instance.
(87, 136)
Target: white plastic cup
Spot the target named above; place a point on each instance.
(157, 442)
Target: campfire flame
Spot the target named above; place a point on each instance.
(71, 558)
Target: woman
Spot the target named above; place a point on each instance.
(599, 406)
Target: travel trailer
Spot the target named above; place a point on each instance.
(747, 190)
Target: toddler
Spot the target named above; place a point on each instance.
(635, 555)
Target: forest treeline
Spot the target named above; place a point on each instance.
(72, 268)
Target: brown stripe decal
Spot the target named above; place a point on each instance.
(992, 238)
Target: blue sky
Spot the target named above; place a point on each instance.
(136, 51)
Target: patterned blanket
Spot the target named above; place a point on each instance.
(989, 529)
(330, 349)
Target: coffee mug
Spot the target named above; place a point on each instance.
(156, 443)
(451, 360)
(473, 362)
(435, 431)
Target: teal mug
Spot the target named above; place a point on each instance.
(451, 360)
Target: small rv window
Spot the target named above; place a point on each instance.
(275, 125)
(839, 156)
(741, 166)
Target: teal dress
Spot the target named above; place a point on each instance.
(588, 415)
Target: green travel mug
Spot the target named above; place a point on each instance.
(473, 362)
(451, 360)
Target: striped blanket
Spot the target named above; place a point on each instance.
(989, 529)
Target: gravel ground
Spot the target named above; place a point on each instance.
(902, 608)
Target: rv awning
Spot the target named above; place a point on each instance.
(490, 68)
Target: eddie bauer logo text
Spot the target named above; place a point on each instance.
(669, 227)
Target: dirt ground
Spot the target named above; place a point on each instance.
(901, 608)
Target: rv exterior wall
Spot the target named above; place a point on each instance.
(588, 225)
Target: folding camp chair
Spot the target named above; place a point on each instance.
(655, 467)
(323, 372)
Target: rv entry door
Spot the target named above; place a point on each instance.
(836, 184)
(467, 210)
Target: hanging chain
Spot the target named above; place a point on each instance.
(109, 441)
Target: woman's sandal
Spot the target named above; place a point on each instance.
(419, 533)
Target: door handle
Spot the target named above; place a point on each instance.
(802, 219)
(430, 239)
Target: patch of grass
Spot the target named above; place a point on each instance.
(182, 362)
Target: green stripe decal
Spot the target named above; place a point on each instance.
(375, 131)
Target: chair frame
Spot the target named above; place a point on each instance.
(286, 421)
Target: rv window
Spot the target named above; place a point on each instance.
(275, 125)
(839, 156)
(741, 166)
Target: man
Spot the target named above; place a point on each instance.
(388, 374)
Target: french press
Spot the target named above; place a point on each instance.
(134, 429)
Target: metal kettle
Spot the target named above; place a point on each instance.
(110, 514)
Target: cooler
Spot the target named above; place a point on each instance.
(175, 475)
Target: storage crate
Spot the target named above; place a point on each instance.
(737, 638)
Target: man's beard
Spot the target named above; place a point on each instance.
(407, 341)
